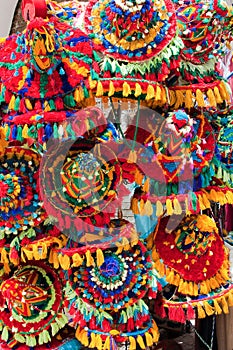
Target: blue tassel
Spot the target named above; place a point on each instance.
(61, 71)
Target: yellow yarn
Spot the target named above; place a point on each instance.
(217, 95)
(158, 93)
(28, 104)
(200, 311)
(150, 93)
(133, 344)
(77, 260)
(208, 308)
(218, 309)
(200, 98)
(188, 99)
(64, 261)
(141, 342)
(179, 99)
(169, 207)
(138, 90)
(89, 258)
(159, 208)
(177, 207)
(149, 339)
(126, 89)
(99, 90)
(99, 257)
(111, 89)
(211, 98)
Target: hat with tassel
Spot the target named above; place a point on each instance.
(21, 208)
(49, 67)
(138, 46)
(32, 311)
(192, 255)
(105, 292)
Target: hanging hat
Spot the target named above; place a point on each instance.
(47, 67)
(136, 41)
(21, 208)
(192, 256)
(205, 29)
(33, 308)
(106, 296)
(40, 127)
(81, 184)
(180, 308)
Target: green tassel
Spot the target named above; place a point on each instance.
(30, 341)
(55, 328)
(71, 132)
(46, 337)
(19, 338)
(94, 75)
(69, 101)
(41, 339)
(5, 334)
(2, 95)
(85, 91)
(96, 56)
(61, 320)
(17, 103)
(55, 131)
(32, 132)
(19, 134)
(52, 105)
(219, 173)
(8, 132)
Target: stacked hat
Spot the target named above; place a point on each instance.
(106, 297)
(138, 46)
(191, 255)
(32, 311)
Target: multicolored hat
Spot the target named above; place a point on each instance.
(33, 305)
(21, 208)
(205, 29)
(106, 297)
(138, 45)
(49, 67)
(192, 256)
(81, 184)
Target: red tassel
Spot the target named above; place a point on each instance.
(190, 314)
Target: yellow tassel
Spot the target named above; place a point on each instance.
(188, 99)
(149, 339)
(138, 90)
(177, 207)
(211, 98)
(159, 208)
(155, 332)
(150, 93)
(202, 206)
(84, 338)
(25, 131)
(179, 99)
(92, 83)
(107, 344)
(171, 276)
(208, 308)
(111, 89)
(230, 298)
(204, 288)
(195, 289)
(133, 345)
(126, 89)
(223, 92)
(141, 205)
(158, 93)
(200, 98)
(138, 177)
(77, 260)
(90, 260)
(11, 105)
(54, 259)
(92, 344)
(28, 104)
(77, 96)
(225, 308)
(217, 95)
(28, 253)
(64, 261)
(99, 90)
(205, 201)
(146, 186)
(218, 309)
(147, 209)
(200, 311)
(172, 96)
(141, 342)
(132, 157)
(100, 257)
(99, 342)
(134, 206)
(213, 283)
(169, 207)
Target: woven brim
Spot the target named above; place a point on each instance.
(34, 300)
(192, 256)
